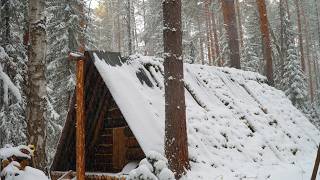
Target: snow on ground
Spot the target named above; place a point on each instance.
(238, 126)
(12, 172)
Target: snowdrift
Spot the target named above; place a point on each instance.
(238, 126)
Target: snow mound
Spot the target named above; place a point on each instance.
(153, 167)
(19, 151)
(12, 172)
(238, 126)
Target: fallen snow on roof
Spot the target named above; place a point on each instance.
(238, 126)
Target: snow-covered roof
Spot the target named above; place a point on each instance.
(238, 126)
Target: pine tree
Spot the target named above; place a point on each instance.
(294, 79)
(252, 54)
(153, 31)
(13, 60)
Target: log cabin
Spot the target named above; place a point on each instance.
(110, 144)
(233, 117)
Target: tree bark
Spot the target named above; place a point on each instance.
(307, 36)
(144, 26)
(283, 38)
(288, 9)
(297, 4)
(200, 40)
(267, 51)
(209, 13)
(318, 21)
(176, 147)
(239, 23)
(119, 26)
(206, 14)
(129, 27)
(230, 22)
(216, 39)
(36, 93)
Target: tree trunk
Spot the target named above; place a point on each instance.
(211, 32)
(216, 38)
(119, 26)
(230, 22)
(239, 23)
(307, 36)
(200, 39)
(36, 93)
(318, 21)
(129, 27)
(283, 37)
(288, 9)
(206, 14)
(297, 4)
(144, 26)
(316, 74)
(176, 147)
(267, 51)
(134, 28)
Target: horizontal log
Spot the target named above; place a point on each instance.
(55, 175)
(105, 140)
(103, 158)
(103, 149)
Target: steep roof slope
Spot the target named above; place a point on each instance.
(238, 126)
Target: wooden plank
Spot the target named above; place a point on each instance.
(119, 148)
(134, 154)
(132, 142)
(115, 113)
(105, 140)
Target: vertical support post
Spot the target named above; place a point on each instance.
(80, 126)
(80, 129)
(316, 165)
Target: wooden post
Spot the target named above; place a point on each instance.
(316, 165)
(80, 124)
(80, 139)
(80, 116)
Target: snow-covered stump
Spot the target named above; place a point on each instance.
(15, 161)
(153, 167)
